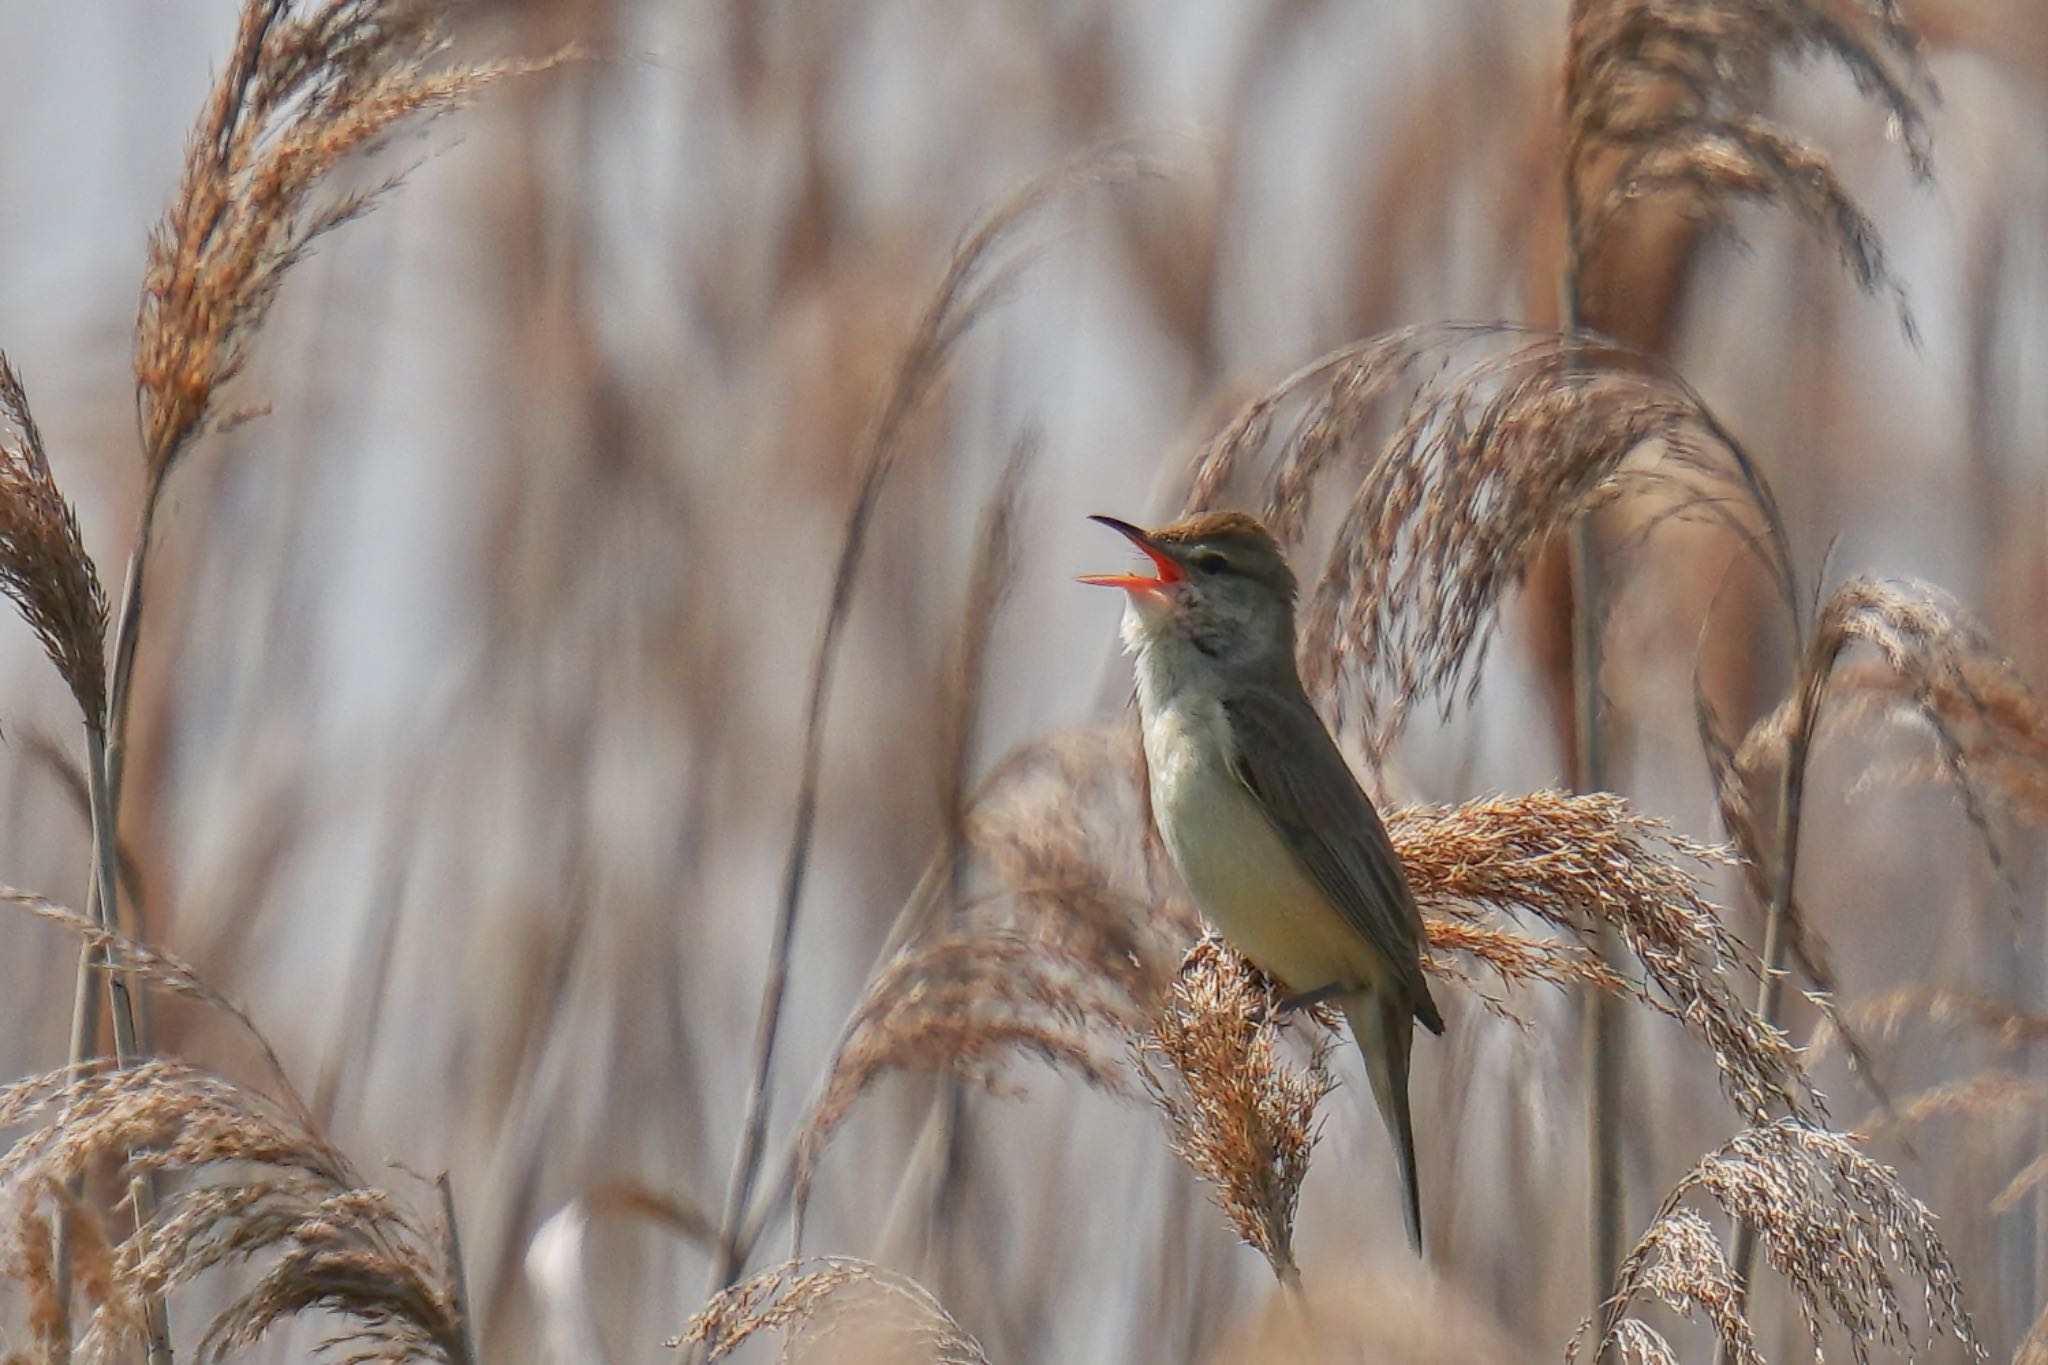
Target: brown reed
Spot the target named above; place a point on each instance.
(865, 1312)
(256, 1186)
(44, 569)
(1578, 864)
(1505, 436)
(1239, 1113)
(1665, 102)
(1837, 1227)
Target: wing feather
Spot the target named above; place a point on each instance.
(1317, 807)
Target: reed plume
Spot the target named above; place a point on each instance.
(44, 569)
(1239, 1113)
(255, 1186)
(1503, 437)
(1934, 665)
(1576, 865)
(857, 1310)
(962, 1004)
(306, 87)
(1664, 103)
(1838, 1228)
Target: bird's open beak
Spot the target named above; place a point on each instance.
(1169, 568)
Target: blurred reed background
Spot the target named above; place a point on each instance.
(468, 724)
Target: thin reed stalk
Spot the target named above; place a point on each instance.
(128, 1039)
(1605, 1021)
(964, 292)
(1777, 944)
(464, 1339)
(988, 585)
(127, 630)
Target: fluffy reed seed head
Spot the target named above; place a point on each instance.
(1238, 1111)
(861, 1311)
(1504, 437)
(1837, 1227)
(305, 87)
(44, 569)
(253, 1185)
(965, 1004)
(1662, 102)
(1679, 1263)
(1884, 1015)
(1935, 664)
(1578, 864)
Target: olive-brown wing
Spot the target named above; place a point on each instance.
(1326, 820)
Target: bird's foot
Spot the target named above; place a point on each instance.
(1289, 1004)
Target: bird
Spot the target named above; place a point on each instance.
(1277, 843)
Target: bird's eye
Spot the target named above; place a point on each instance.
(1211, 562)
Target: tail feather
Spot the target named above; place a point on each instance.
(1383, 1031)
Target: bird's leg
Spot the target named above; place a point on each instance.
(1308, 999)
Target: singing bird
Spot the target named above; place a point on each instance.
(1279, 846)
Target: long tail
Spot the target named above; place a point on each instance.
(1383, 1030)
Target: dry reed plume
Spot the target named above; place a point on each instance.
(1664, 102)
(1983, 1097)
(1239, 1113)
(835, 1308)
(1060, 825)
(1836, 1226)
(1934, 665)
(255, 1186)
(306, 86)
(1885, 1014)
(1504, 437)
(160, 968)
(44, 569)
(962, 1003)
(1056, 961)
(1576, 865)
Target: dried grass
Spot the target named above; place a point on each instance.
(1505, 437)
(975, 276)
(1935, 665)
(1679, 1263)
(1663, 102)
(1836, 1226)
(306, 86)
(1059, 823)
(255, 1185)
(1988, 1095)
(1885, 1014)
(1239, 1113)
(162, 969)
(44, 569)
(963, 1004)
(1581, 864)
(834, 1308)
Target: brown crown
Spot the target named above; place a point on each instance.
(1241, 536)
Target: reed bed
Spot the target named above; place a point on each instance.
(764, 933)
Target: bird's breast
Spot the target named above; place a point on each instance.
(1243, 876)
